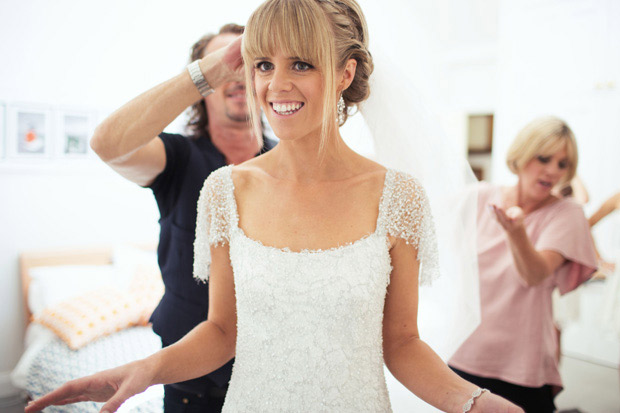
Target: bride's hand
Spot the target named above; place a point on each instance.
(493, 403)
(113, 386)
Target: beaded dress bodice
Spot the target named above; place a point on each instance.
(309, 323)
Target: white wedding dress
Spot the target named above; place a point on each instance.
(309, 323)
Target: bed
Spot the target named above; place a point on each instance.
(87, 310)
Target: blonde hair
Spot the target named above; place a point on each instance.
(543, 137)
(326, 34)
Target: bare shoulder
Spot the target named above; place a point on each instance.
(249, 172)
(369, 164)
(370, 172)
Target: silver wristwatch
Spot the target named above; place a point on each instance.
(198, 78)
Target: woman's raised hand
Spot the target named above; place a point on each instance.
(113, 386)
(510, 219)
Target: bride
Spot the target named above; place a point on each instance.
(312, 251)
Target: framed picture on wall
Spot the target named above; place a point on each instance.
(480, 133)
(74, 131)
(478, 172)
(29, 132)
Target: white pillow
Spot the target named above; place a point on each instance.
(128, 258)
(52, 285)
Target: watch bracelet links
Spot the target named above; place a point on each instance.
(198, 78)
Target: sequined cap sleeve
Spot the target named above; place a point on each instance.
(214, 219)
(407, 215)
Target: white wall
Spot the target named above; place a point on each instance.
(563, 58)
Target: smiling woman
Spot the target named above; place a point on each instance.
(327, 56)
(314, 298)
(290, 91)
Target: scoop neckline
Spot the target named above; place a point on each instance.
(286, 250)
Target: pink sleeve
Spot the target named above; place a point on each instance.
(568, 233)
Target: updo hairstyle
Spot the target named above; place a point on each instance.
(326, 34)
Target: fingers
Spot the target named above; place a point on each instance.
(117, 400)
(58, 396)
(77, 399)
(224, 65)
(511, 219)
(500, 215)
(232, 54)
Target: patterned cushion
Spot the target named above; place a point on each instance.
(82, 319)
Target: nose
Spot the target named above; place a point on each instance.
(280, 80)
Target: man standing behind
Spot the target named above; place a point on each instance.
(175, 167)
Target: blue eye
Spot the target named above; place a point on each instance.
(302, 66)
(264, 66)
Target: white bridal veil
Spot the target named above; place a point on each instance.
(407, 137)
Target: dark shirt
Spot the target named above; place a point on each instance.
(186, 301)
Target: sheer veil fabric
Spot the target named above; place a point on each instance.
(406, 137)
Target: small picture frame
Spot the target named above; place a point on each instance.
(478, 172)
(29, 132)
(74, 130)
(480, 134)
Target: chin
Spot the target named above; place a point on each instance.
(285, 135)
(541, 194)
(241, 116)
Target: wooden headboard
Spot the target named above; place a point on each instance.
(57, 257)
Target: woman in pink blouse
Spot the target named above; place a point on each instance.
(529, 243)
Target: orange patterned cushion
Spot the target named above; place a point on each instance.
(82, 319)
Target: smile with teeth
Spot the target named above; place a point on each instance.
(545, 183)
(286, 108)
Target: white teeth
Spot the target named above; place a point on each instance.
(286, 108)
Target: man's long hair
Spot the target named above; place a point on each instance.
(198, 118)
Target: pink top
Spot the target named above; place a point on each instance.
(515, 341)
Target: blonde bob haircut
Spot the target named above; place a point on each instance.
(543, 137)
(323, 33)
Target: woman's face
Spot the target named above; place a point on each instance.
(290, 92)
(542, 173)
